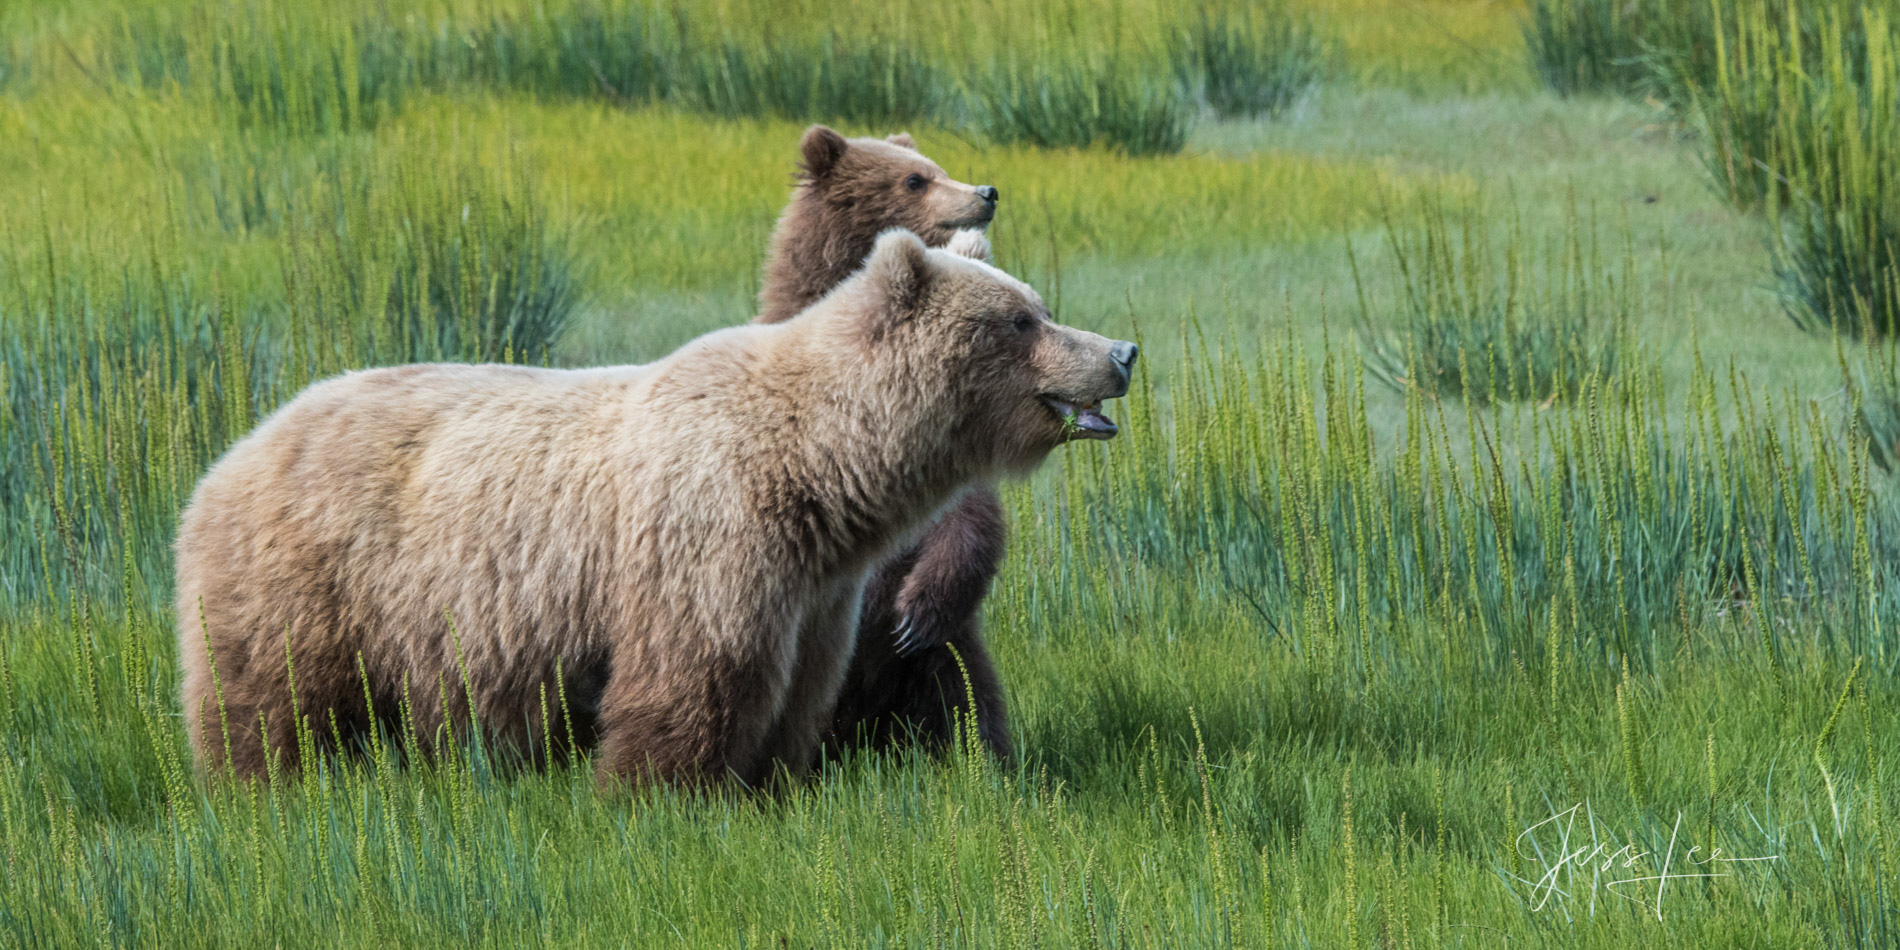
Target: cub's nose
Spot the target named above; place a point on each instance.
(987, 193)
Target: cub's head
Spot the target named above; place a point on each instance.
(871, 185)
(971, 357)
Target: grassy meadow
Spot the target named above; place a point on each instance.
(1499, 550)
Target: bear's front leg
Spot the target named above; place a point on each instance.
(692, 697)
(890, 699)
(826, 640)
(905, 682)
(253, 716)
(949, 573)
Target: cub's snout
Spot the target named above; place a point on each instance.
(969, 207)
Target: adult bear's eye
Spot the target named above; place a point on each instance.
(915, 182)
(1025, 323)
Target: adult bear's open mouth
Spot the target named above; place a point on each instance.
(1082, 421)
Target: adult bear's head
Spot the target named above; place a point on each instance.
(968, 358)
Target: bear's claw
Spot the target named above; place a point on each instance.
(908, 639)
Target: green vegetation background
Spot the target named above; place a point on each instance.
(1476, 475)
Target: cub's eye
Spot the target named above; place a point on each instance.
(1024, 323)
(915, 182)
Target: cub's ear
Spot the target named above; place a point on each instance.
(970, 243)
(821, 148)
(900, 268)
(902, 140)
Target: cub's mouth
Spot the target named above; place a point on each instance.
(979, 219)
(1081, 420)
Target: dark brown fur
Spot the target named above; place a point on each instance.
(890, 697)
(849, 190)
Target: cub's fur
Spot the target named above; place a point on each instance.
(850, 191)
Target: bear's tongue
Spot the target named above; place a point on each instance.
(1088, 420)
(1091, 420)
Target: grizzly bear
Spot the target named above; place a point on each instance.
(670, 557)
(921, 658)
(849, 191)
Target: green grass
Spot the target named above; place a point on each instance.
(1241, 762)
(1793, 107)
(1872, 383)
(1433, 47)
(1049, 79)
(1299, 660)
(1086, 104)
(1256, 61)
(1681, 50)
(1836, 257)
(1798, 121)
(1583, 47)
(1478, 327)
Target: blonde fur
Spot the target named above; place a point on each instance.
(687, 539)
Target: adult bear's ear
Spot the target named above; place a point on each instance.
(900, 269)
(902, 140)
(821, 148)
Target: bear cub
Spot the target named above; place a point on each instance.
(921, 659)
(849, 191)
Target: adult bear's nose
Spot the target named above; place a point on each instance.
(1124, 353)
(987, 193)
